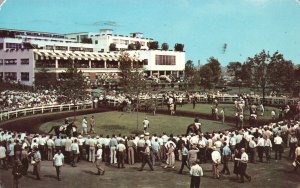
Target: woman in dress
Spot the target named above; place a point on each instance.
(171, 156)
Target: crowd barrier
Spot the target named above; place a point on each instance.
(41, 110)
(272, 101)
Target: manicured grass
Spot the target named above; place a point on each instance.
(228, 108)
(126, 123)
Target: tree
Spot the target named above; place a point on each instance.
(72, 85)
(132, 80)
(280, 73)
(131, 46)
(206, 75)
(260, 70)
(153, 45)
(165, 46)
(191, 75)
(178, 47)
(235, 69)
(44, 80)
(138, 45)
(215, 67)
(112, 47)
(246, 74)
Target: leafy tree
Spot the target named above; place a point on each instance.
(165, 46)
(260, 70)
(280, 73)
(112, 47)
(215, 67)
(153, 45)
(72, 85)
(132, 80)
(246, 74)
(138, 45)
(44, 79)
(178, 47)
(191, 75)
(235, 69)
(131, 46)
(206, 76)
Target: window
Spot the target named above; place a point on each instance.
(10, 76)
(1, 75)
(96, 41)
(49, 47)
(1, 46)
(88, 49)
(24, 61)
(75, 49)
(13, 45)
(61, 48)
(1, 61)
(165, 60)
(10, 61)
(24, 76)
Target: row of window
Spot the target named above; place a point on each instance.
(14, 61)
(165, 60)
(13, 45)
(13, 76)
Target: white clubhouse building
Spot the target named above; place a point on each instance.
(24, 53)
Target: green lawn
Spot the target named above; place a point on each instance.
(228, 108)
(126, 123)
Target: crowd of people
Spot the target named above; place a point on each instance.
(14, 100)
(240, 146)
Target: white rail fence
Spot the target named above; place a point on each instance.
(41, 110)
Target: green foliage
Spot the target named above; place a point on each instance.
(72, 85)
(215, 67)
(44, 79)
(178, 47)
(153, 45)
(138, 45)
(132, 80)
(235, 69)
(206, 76)
(165, 46)
(112, 47)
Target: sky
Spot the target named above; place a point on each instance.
(229, 30)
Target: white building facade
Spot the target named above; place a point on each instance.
(24, 53)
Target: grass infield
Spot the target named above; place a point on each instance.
(126, 123)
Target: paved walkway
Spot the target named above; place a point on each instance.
(275, 174)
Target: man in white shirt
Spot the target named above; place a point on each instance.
(58, 161)
(74, 152)
(146, 124)
(84, 126)
(3, 156)
(278, 148)
(243, 166)
(216, 159)
(50, 148)
(99, 160)
(121, 149)
(196, 172)
(252, 149)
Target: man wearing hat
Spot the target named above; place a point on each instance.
(216, 159)
(146, 157)
(36, 162)
(121, 149)
(99, 160)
